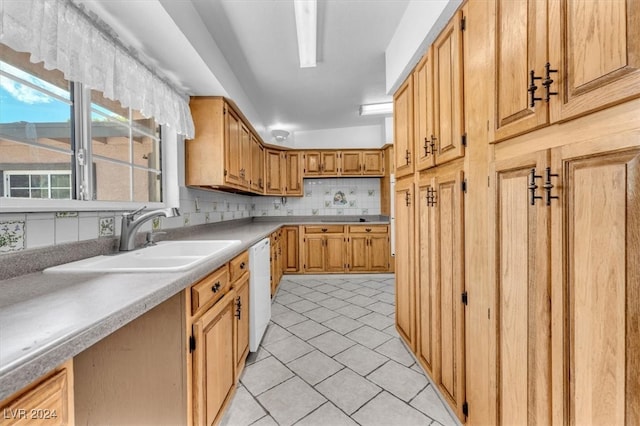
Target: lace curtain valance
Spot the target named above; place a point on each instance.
(62, 36)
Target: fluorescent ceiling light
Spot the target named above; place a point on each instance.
(374, 109)
(306, 27)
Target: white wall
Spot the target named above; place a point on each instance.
(418, 28)
(347, 137)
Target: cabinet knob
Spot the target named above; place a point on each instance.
(242, 265)
(324, 229)
(368, 229)
(216, 287)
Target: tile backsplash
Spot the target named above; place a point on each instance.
(345, 196)
(340, 196)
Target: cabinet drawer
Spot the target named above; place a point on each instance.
(326, 229)
(238, 266)
(371, 229)
(209, 290)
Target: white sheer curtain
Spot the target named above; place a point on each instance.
(59, 34)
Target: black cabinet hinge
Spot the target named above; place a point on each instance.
(465, 298)
(464, 186)
(463, 23)
(225, 172)
(192, 343)
(464, 139)
(224, 111)
(465, 409)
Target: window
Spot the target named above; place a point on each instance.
(42, 184)
(62, 140)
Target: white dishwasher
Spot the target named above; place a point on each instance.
(259, 292)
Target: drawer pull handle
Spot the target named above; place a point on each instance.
(368, 229)
(324, 229)
(238, 308)
(242, 265)
(216, 287)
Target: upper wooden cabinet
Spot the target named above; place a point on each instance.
(275, 167)
(293, 173)
(593, 60)
(362, 163)
(257, 166)
(320, 163)
(403, 128)
(423, 110)
(448, 99)
(343, 163)
(220, 156)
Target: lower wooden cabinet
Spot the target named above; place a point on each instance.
(241, 323)
(276, 259)
(324, 249)
(48, 401)
(290, 249)
(213, 378)
(368, 248)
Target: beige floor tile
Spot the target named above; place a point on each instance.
(361, 360)
(331, 343)
(387, 410)
(348, 390)
(291, 401)
(399, 380)
(314, 367)
(263, 375)
(327, 415)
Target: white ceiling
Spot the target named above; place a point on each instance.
(258, 40)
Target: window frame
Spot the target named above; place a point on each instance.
(82, 169)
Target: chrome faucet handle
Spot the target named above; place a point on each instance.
(133, 213)
(151, 237)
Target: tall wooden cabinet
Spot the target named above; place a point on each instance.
(405, 278)
(440, 290)
(403, 128)
(557, 60)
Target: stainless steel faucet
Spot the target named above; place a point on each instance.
(130, 225)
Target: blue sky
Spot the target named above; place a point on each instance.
(20, 102)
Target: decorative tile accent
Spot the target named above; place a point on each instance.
(352, 203)
(339, 198)
(339, 211)
(315, 212)
(156, 224)
(66, 214)
(371, 192)
(106, 227)
(327, 203)
(221, 216)
(308, 193)
(365, 211)
(289, 212)
(215, 207)
(263, 212)
(12, 236)
(276, 206)
(186, 219)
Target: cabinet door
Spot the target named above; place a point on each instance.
(521, 40)
(378, 253)
(449, 240)
(233, 148)
(273, 260)
(358, 253)
(241, 323)
(245, 156)
(293, 184)
(595, 46)
(447, 92)
(290, 250)
(405, 292)
(523, 311)
(334, 246)
(330, 166)
(596, 281)
(312, 163)
(373, 163)
(213, 361)
(351, 163)
(274, 172)
(423, 110)
(426, 288)
(403, 128)
(257, 165)
(314, 253)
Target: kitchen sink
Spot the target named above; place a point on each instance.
(166, 256)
